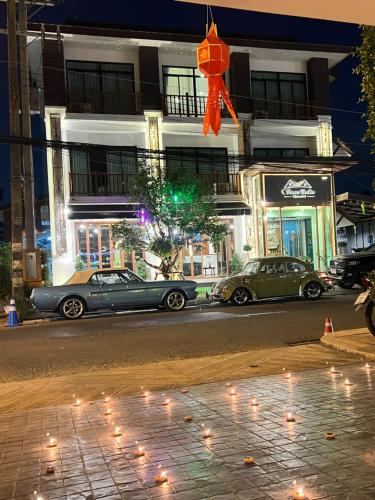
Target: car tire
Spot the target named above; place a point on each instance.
(174, 301)
(313, 290)
(72, 308)
(240, 297)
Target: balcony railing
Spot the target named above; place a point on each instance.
(104, 184)
(221, 182)
(294, 109)
(96, 101)
(188, 105)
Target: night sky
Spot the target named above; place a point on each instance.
(349, 126)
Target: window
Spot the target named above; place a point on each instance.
(251, 267)
(109, 278)
(279, 94)
(100, 87)
(197, 161)
(295, 267)
(130, 277)
(280, 152)
(272, 268)
(98, 171)
(185, 91)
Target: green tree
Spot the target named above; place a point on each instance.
(366, 69)
(173, 211)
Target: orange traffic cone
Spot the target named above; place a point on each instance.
(328, 326)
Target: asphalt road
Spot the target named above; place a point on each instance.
(58, 347)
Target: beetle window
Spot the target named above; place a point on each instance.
(251, 267)
(295, 267)
(273, 268)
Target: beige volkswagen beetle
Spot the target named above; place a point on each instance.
(267, 278)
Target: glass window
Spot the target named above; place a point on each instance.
(278, 94)
(130, 277)
(185, 91)
(252, 267)
(209, 162)
(280, 152)
(272, 267)
(107, 278)
(98, 172)
(295, 267)
(99, 87)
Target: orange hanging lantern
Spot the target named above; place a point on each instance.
(213, 60)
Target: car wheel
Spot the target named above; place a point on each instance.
(312, 291)
(174, 301)
(240, 297)
(72, 308)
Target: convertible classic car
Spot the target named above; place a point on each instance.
(111, 289)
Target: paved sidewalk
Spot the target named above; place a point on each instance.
(89, 462)
(89, 385)
(359, 342)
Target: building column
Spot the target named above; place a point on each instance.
(324, 136)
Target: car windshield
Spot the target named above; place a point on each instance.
(251, 267)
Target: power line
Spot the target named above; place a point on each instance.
(267, 100)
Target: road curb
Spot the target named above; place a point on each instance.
(343, 341)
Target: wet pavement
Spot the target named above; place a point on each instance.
(89, 462)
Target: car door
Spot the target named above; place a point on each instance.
(111, 287)
(272, 280)
(138, 292)
(295, 272)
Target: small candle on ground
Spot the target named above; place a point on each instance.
(161, 476)
(117, 432)
(254, 402)
(290, 418)
(299, 494)
(347, 382)
(139, 452)
(52, 443)
(108, 412)
(206, 433)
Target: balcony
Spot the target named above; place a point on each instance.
(292, 109)
(188, 105)
(102, 184)
(96, 101)
(221, 182)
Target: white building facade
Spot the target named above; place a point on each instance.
(120, 92)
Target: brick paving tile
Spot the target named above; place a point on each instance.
(89, 462)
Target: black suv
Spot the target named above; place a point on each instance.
(347, 270)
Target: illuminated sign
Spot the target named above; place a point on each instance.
(297, 190)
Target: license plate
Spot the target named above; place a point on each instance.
(332, 271)
(362, 298)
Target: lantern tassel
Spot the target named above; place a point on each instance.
(212, 116)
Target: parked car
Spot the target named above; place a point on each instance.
(270, 277)
(348, 270)
(111, 289)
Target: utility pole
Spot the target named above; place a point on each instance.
(28, 170)
(15, 152)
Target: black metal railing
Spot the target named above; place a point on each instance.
(294, 109)
(188, 105)
(216, 182)
(102, 184)
(96, 101)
